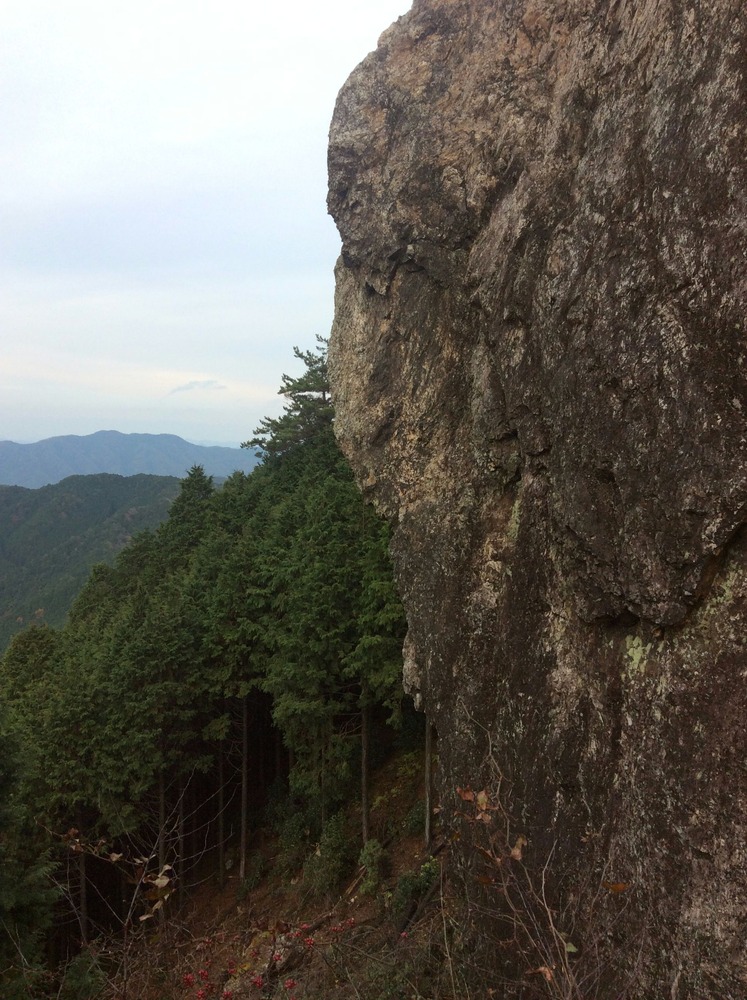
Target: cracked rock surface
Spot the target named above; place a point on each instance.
(539, 362)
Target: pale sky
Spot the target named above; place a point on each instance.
(163, 234)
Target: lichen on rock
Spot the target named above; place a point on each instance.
(538, 359)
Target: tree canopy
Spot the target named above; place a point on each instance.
(308, 410)
(244, 642)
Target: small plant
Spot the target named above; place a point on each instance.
(413, 886)
(326, 867)
(414, 822)
(84, 978)
(410, 766)
(373, 858)
(292, 844)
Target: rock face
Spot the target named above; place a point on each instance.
(539, 360)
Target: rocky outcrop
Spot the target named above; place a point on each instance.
(539, 363)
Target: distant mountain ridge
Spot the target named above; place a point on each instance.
(52, 536)
(53, 459)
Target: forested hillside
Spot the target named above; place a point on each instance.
(50, 539)
(237, 663)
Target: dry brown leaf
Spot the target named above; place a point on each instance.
(518, 848)
(544, 971)
(616, 886)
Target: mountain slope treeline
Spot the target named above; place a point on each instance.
(245, 656)
(48, 461)
(50, 538)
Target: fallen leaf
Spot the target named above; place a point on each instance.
(616, 886)
(517, 849)
(543, 970)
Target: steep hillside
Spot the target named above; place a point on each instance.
(51, 537)
(315, 928)
(539, 363)
(239, 667)
(53, 459)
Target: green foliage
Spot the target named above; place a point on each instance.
(410, 765)
(26, 896)
(292, 844)
(307, 412)
(50, 538)
(373, 858)
(274, 590)
(414, 822)
(413, 886)
(390, 981)
(331, 861)
(84, 978)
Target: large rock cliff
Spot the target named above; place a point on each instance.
(539, 359)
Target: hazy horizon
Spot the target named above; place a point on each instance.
(165, 241)
(51, 437)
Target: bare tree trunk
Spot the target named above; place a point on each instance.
(127, 906)
(244, 836)
(181, 880)
(428, 783)
(365, 748)
(161, 830)
(82, 897)
(221, 819)
(321, 764)
(278, 755)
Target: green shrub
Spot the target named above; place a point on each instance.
(84, 978)
(414, 821)
(410, 766)
(373, 858)
(292, 844)
(412, 886)
(325, 868)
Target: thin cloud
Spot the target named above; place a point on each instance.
(208, 385)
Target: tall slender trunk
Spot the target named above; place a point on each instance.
(161, 820)
(365, 747)
(321, 764)
(278, 754)
(127, 906)
(83, 897)
(161, 830)
(244, 836)
(181, 880)
(221, 819)
(260, 755)
(428, 783)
